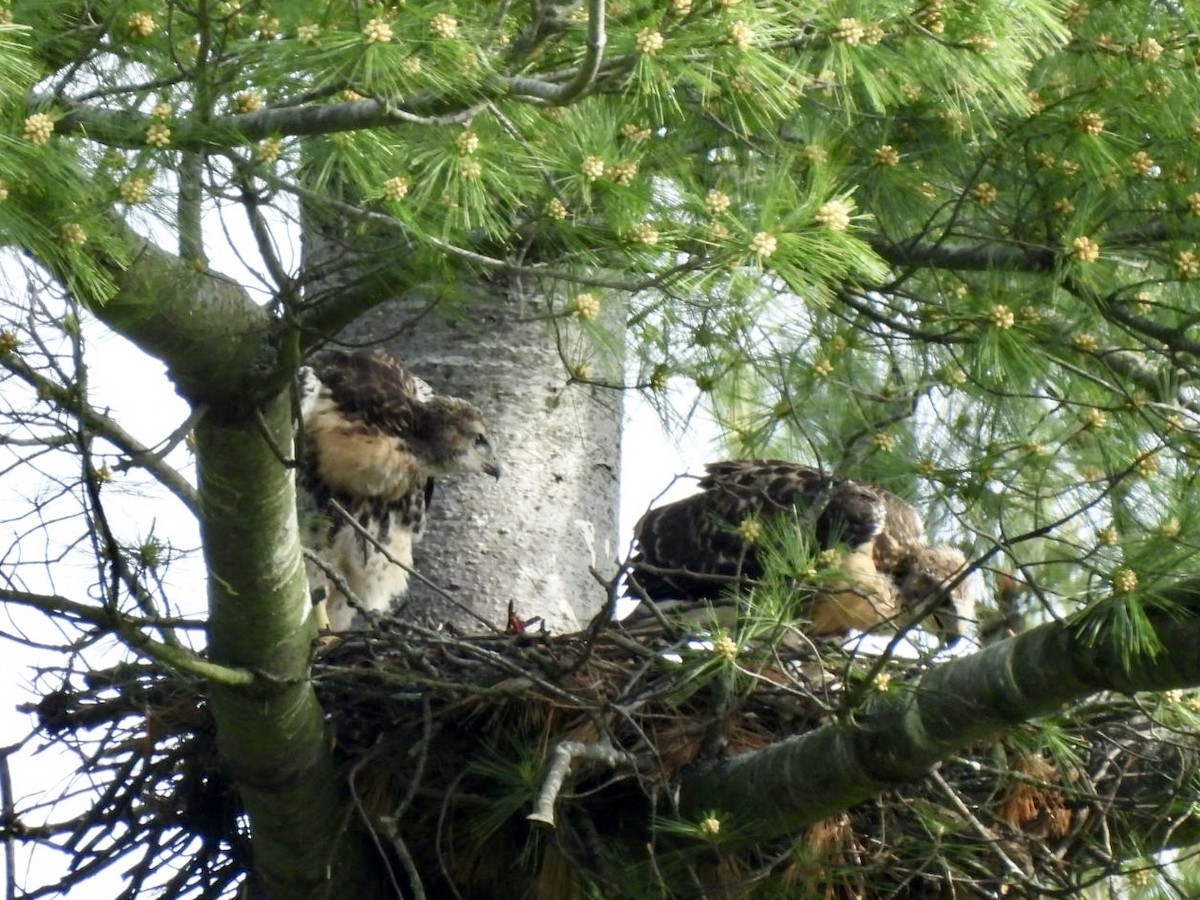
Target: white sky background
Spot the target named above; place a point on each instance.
(133, 388)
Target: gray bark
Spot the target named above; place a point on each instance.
(531, 537)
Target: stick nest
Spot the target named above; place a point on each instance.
(447, 743)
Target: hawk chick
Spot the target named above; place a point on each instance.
(375, 436)
(698, 547)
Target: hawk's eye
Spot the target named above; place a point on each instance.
(481, 442)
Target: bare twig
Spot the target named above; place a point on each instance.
(564, 754)
(1014, 870)
(389, 831)
(8, 813)
(97, 423)
(129, 630)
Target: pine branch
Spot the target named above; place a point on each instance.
(101, 425)
(129, 630)
(585, 74)
(897, 736)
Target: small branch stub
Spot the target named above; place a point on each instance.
(560, 765)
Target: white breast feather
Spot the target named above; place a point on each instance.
(374, 578)
(422, 391)
(310, 389)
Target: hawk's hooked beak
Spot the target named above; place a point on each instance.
(492, 469)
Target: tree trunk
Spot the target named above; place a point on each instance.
(221, 353)
(532, 537)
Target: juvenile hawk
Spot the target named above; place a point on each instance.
(374, 438)
(698, 547)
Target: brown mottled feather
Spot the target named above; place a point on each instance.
(691, 549)
(371, 386)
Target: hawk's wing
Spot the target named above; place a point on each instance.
(846, 512)
(370, 386)
(692, 548)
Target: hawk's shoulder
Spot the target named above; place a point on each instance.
(367, 386)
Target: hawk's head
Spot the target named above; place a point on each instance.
(453, 438)
(927, 573)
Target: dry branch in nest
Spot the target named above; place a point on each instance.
(452, 745)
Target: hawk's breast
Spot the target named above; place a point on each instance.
(356, 458)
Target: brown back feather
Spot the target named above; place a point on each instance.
(370, 386)
(691, 549)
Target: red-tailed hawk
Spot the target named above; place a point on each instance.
(699, 547)
(374, 438)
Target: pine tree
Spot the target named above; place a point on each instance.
(944, 247)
